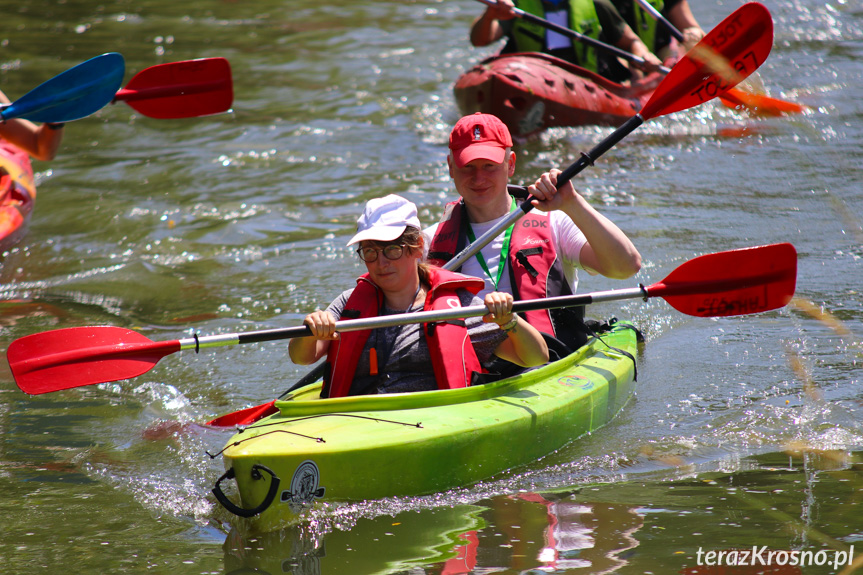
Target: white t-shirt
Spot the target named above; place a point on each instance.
(567, 238)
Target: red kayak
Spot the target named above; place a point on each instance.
(531, 91)
(17, 193)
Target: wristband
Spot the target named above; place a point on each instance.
(510, 325)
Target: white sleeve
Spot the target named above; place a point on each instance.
(428, 234)
(568, 239)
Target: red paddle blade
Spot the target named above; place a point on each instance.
(246, 416)
(736, 282)
(181, 89)
(759, 104)
(723, 58)
(78, 356)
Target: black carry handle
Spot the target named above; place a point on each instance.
(256, 474)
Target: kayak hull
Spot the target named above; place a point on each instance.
(531, 92)
(17, 194)
(373, 447)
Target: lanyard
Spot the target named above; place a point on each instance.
(504, 251)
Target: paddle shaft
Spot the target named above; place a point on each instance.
(657, 15)
(432, 316)
(659, 289)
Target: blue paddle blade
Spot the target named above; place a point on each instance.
(72, 95)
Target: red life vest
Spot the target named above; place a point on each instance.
(453, 357)
(534, 268)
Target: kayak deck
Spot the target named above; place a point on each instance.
(372, 447)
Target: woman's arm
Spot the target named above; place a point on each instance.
(308, 350)
(524, 345)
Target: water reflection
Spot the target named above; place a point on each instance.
(518, 533)
(805, 501)
(557, 532)
(384, 544)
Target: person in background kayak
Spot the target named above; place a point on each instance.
(41, 142)
(654, 34)
(413, 357)
(538, 255)
(598, 19)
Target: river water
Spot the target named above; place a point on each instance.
(744, 431)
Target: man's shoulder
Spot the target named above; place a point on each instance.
(447, 213)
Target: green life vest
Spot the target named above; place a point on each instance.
(645, 25)
(530, 37)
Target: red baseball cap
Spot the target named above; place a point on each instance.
(479, 136)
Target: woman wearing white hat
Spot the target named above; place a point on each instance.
(414, 357)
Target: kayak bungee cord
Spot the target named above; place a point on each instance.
(242, 429)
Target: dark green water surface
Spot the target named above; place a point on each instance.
(745, 432)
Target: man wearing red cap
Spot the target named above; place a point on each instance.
(538, 255)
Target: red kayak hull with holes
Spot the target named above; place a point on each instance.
(531, 92)
(17, 193)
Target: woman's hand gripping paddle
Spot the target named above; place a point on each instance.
(726, 56)
(737, 282)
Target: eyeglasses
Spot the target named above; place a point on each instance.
(391, 252)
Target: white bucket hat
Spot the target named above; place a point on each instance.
(385, 219)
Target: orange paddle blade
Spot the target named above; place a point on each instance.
(760, 104)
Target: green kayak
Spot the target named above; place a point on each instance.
(377, 446)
